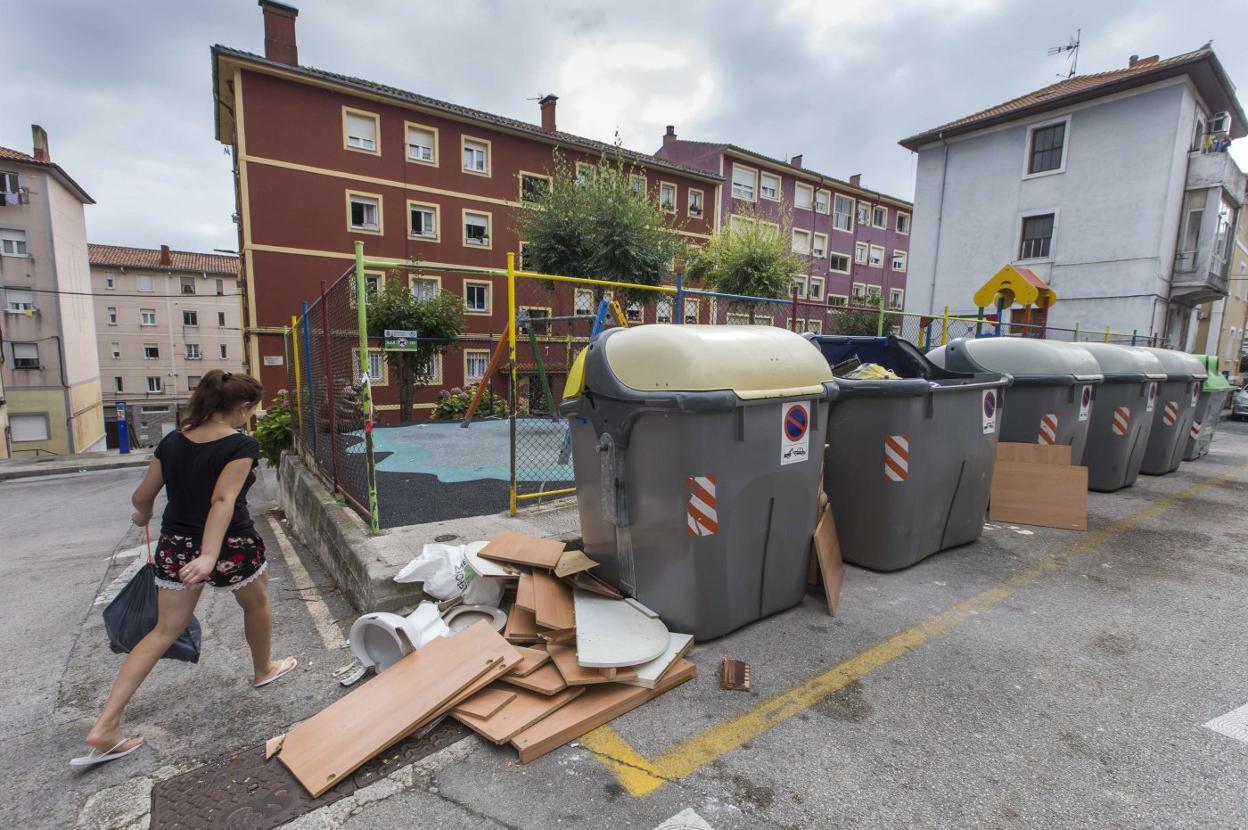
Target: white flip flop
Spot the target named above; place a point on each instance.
(96, 757)
(289, 665)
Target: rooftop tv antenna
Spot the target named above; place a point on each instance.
(1071, 48)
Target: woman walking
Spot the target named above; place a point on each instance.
(206, 536)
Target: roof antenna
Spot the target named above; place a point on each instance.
(1073, 48)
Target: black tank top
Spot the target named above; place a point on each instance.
(191, 470)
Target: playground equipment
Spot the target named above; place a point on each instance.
(1012, 286)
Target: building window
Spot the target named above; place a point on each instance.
(476, 156)
(28, 426)
(119, 383)
(9, 183)
(1037, 237)
(364, 212)
(879, 216)
(815, 291)
(376, 367)
(858, 293)
(821, 201)
(111, 313)
(476, 361)
(695, 202)
(533, 187)
(190, 318)
(433, 369)
(864, 213)
(153, 383)
(903, 223)
(192, 381)
(425, 288)
(812, 325)
(422, 220)
(663, 311)
(477, 297)
(837, 300)
(151, 351)
(801, 241)
(1046, 148)
(583, 302)
(896, 299)
(19, 300)
(691, 311)
(637, 183)
(744, 183)
(116, 350)
(899, 261)
(585, 173)
(25, 355)
(360, 130)
(799, 286)
(220, 319)
(188, 285)
(1193, 215)
(803, 196)
(223, 350)
(422, 144)
(192, 351)
(667, 197)
(860, 253)
(108, 281)
(769, 187)
(738, 223)
(874, 293)
(536, 318)
(147, 316)
(838, 263)
(843, 213)
(12, 243)
(633, 312)
(476, 229)
(820, 246)
(876, 259)
(220, 288)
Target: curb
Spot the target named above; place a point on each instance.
(54, 470)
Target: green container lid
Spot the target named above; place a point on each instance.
(1214, 382)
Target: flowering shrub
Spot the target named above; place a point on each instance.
(452, 405)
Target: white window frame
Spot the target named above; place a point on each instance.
(119, 383)
(826, 197)
(223, 351)
(186, 286)
(192, 315)
(9, 181)
(220, 319)
(584, 172)
(675, 194)
(875, 292)
(800, 188)
(525, 174)
(588, 295)
(413, 280)
(373, 200)
(852, 205)
(811, 325)
(752, 174)
(144, 283)
(433, 160)
(664, 310)
(804, 249)
(489, 299)
(817, 248)
(28, 351)
(489, 229)
(691, 310)
(110, 315)
(1031, 131)
(876, 211)
(155, 387)
(109, 282)
(1018, 234)
(848, 260)
(151, 351)
(799, 282)
(875, 260)
(13, 242)
(147, 317)
(481, 354)
(192, 352)
(862, 214)
(899, 253)
(896, 299)
(635, 181)
(844, 300)
(861, 253)
(858, 292)
(429, 208)
(360, 145)
(763, 176)
(897, 222)
(813, 295)
(696, 207)
(738, 222)
(115, 350)
(19, 300)
(485, 147)
(192, 381)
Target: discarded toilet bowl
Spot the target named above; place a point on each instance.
(381, 639)
(462, 616)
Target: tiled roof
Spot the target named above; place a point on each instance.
(120, 256)
(577, 141)
(1080, 86)
(17, 155)
(8, 154)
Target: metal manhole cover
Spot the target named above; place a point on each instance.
(246, 792)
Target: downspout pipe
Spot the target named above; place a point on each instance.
(940, 215)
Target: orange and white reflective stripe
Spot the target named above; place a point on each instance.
(896, 457)
(703, 519)
(1170, 413)
(1122, 419)
(1195, 431)
(1048, 429)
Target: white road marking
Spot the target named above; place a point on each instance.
(324, 621)
(123, 579)
(686, 819)
(1234, 724)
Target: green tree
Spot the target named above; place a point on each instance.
(438, 320)
(599, 226)
(753, 259)
(859, 321)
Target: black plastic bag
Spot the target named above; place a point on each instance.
(132, 615)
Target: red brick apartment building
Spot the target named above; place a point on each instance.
(323, 160)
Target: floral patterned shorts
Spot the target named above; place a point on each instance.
(241, 561)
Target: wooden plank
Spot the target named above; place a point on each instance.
(485, 702)
(336, 741)
(828, 556)
(523, 549)
(524, 592)
(574, 674)
(525, 710)
(599, 705)
(547, 680)
(573, 561)
(1034, 453)
(552, 602)
(531, 660)
(521, 626)
(651, 674)
(588, 582)
(557, 635)
(1047, 495)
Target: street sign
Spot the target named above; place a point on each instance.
(399, 340)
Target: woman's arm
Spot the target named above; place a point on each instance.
(145, 494)
(224, 494)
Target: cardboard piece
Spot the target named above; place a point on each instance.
(552, 602)
(485, 702)
(828, 557)
(419, 688)
(522, 549)
(588, 582)
(521, 626)
(573, 561)
(649, 674)
(1034, 453)
(574, 674)
(1048, 495)
(525, 710)
(524, 592)
(531, 660)
(547, 680)
(598, 705)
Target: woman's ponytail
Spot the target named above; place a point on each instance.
(220, 392)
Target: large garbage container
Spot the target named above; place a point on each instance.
(908, 468)
(697, 453)
(1174, 410)
(1122, 419)
(1051, 397)
(1213, 394)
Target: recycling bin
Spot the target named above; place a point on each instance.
(908, 467)
(1213, 394)
(1122, 419)
(1051, 397)
(1174, 409)
(697, 453)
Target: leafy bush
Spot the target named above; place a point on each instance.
(452, 405)
(273, 430)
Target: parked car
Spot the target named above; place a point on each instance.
(1239, 404)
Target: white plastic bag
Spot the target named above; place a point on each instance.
(484, 590)
(442, 568)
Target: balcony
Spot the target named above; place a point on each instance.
(1206, 170)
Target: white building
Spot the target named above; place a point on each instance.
(1114, 187)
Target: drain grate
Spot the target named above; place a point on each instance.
(245, 792)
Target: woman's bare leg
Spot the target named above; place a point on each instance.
(258, 625)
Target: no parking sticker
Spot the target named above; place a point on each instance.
(1152, 397)
(1085, 403)
(990, 411)
(795, 433)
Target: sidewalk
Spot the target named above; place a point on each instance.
(51, 465)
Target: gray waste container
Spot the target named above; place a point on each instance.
(1213, 394)
(1174, 411)
(1051, 398)
(697, 452)
(1122, 419)
(908, 468)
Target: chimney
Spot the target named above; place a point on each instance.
(856, 180)
(548, 112)
(1132, 61)
(670, 135)
(279, 32)
(166, 260)
(39, 140)
(1136, 60)
(796, 161)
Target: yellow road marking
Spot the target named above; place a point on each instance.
(640, 775)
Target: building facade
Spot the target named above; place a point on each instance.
(51, 381)
(1221, 325)
(1115, 188)
(323, 160)
(162, 318)
(856, 242)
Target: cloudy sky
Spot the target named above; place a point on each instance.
(123, 88)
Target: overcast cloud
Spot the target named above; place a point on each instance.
(124, 88)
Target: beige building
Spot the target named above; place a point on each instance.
(51, 371)
(163, 318)
(1221, 324)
